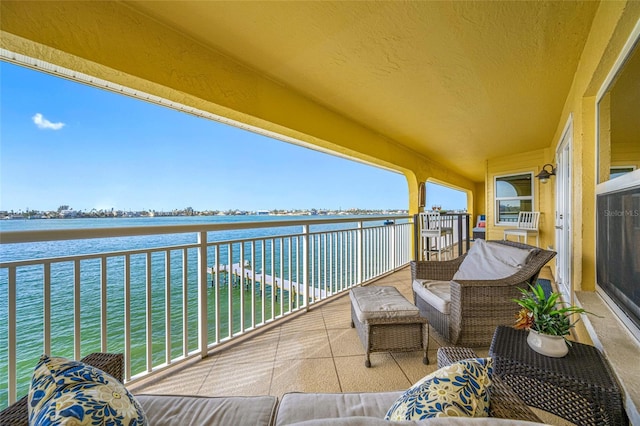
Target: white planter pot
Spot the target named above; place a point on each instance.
(544, 344)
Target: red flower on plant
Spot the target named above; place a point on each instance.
(524, 319)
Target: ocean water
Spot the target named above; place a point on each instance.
(30, 291)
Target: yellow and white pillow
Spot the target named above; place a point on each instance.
(457, 390)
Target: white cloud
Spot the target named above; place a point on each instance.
(43, 123)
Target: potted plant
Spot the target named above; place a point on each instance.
(547, 319)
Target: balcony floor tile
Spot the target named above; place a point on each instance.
(314, 351)
(313, 375)
(384, 375)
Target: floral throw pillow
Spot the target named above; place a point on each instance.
(65, 392)
(457, 390)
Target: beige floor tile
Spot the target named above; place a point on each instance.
(481, 352)
(337, 318)
(411, 364)
(258, 348)
(304, 375)
(246, 380)
(297, 356)
(345, 342)
(384, 374)
(303, 344)
(312, 320)
(338, 303)
(179, 381)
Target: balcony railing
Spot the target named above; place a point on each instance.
(460, 228)
(165, 294)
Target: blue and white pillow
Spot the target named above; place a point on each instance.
(65, 392)
(457, 390)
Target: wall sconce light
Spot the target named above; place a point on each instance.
(545, 174)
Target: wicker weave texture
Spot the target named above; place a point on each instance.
(579, 387)
(437, 320)
(477, 306)
(17, 413)
(392, 335)
(504, 402)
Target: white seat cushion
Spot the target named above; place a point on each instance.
(491, 261)
(435, 293)
(169, 410)
(381, 302)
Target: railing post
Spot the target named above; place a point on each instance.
(203, 326)
(359, 252)
(12, 342)
(305, 265)
(416, 237)
(77, 336)
(394, 256)
(127, 318)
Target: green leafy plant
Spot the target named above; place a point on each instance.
(545, 314)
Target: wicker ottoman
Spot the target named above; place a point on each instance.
(387, 322)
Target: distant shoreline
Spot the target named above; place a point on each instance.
(75, 214)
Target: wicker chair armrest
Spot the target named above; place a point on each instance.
(17, 414)
(435, 270)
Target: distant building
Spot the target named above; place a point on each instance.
(67, 214)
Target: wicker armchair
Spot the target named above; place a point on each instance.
(17, 413)
(477, 306)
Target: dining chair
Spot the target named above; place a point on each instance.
(437, 238)
(527, 225)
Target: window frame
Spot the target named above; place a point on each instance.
(497, 199)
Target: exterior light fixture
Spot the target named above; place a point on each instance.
(545, 174)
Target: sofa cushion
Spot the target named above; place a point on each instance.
(448, 421)
(166, 410)
(298, 407)
(70, 392)
(435, 293)
(381, 302)
(457, 390)
(491, 261)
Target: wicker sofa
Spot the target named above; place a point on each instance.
(346, 409)
(476, 307)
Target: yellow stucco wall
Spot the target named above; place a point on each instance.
(526, 162)
(611, 29)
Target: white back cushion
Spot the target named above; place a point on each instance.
(491, 261)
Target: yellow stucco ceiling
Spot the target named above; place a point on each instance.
(458, 82)
(448, 83)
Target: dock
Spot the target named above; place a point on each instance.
(291, 286)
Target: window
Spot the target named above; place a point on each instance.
(514, 193)
(616, 171)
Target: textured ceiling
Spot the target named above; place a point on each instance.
(458, 82)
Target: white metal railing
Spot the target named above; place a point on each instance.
(169, 293)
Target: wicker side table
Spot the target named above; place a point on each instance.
(579, 387)
(504, 403)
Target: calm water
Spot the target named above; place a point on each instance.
(30, 293)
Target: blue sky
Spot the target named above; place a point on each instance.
(65, 143)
